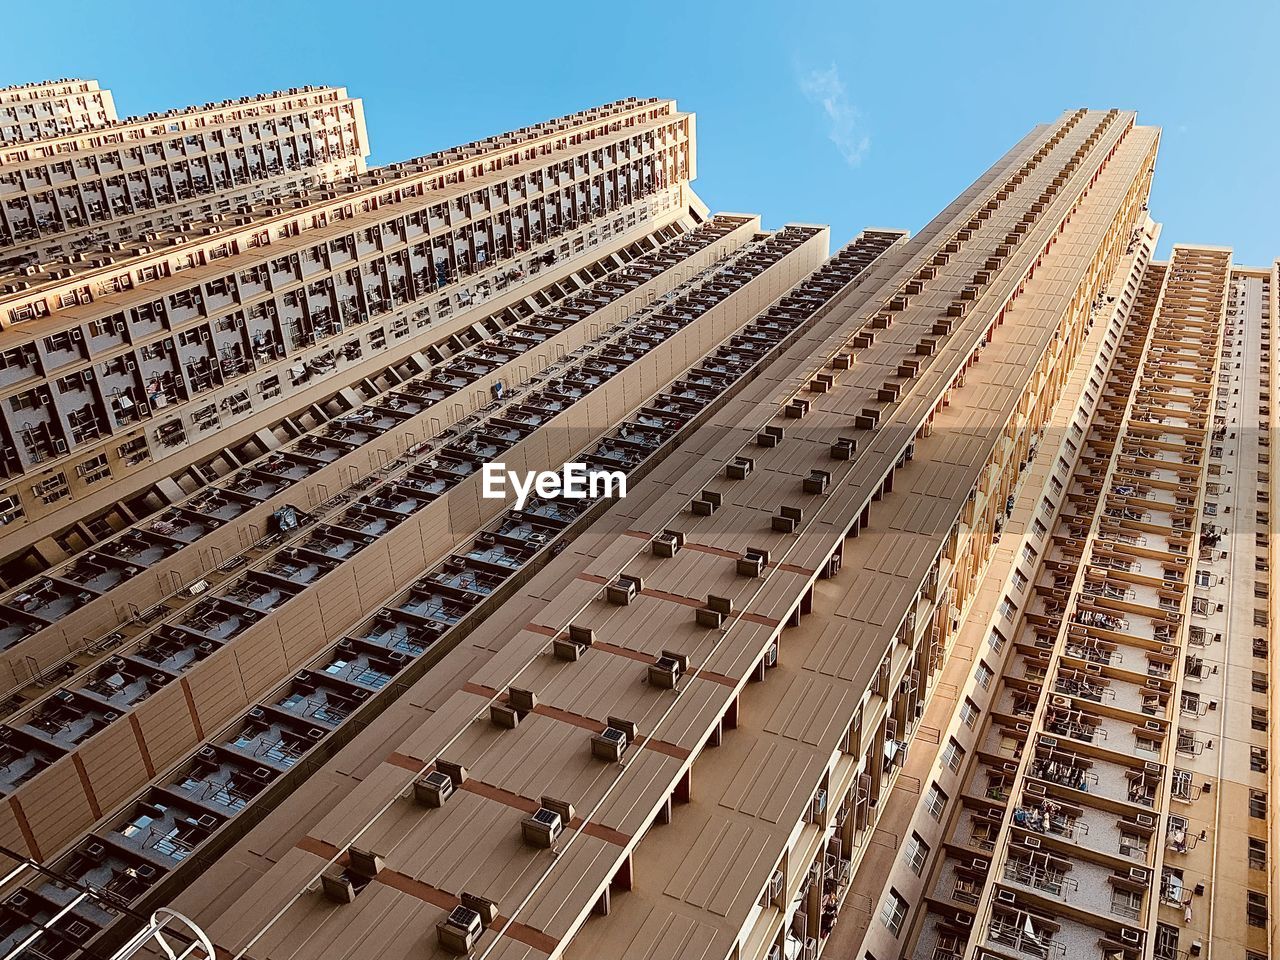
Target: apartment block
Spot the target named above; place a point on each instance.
(865, 406)
(128, 371)
(29, 111)
(1100, 783)
(918, 604)
(82, 193)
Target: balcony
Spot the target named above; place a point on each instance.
(314, 699)
(122, 682)
(220, 782)
(22, 757)
(270, 739)
(255, 485)
(166, 832)
(217, 619)
(173, 651)
(260, 593)
(98, 573)
(68, 718)
(369, 666)
(49, 599)
(400, 633)
(298, 566)
(140, 548)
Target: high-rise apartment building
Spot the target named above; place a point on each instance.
(31, 111)
(1096, 781)
(136, 376)
(933, 623)
(74, 193)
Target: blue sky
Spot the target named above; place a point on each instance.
(845, 113)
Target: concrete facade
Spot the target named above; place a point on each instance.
(936, 621)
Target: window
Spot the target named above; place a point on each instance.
(917, 854)
(954, 753)
(935, 801)
(1258, 759)
(996, 640)
(52, 488)
(1028, 553)
(1127, 903)
(983, 674)
(1258, 804)
(1133, 844)
(1019, 581)
(1008, 608)
(894, 911)
(1180, 788)
(1202, 578)
(1259, 681)
(94, 469)
(1260, 647)
(1257, 854)
(30, 400)
(969, 713)
(1259, 718)
(1256, 909)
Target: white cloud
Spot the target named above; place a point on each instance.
(844, 121)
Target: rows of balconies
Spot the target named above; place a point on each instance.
(228, 774)
(1063, 838)
(645, 173)
(253, 594)
(276, 471)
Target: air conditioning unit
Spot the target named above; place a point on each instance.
(433, 789)
(458, 932)
(336, 885)
(667, 670)
(542, 828)
(609, 744)
(753, 563)
(503, 715)
(623, 590)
